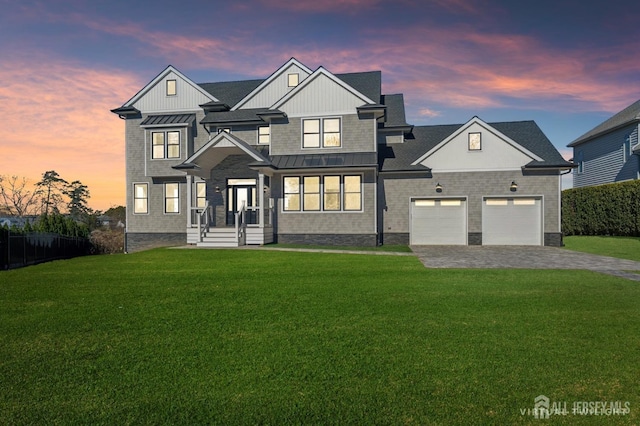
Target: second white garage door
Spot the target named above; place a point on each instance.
(438, 222)
(512, 221)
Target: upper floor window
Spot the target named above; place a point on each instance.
(627, 151)
(580, 162)
(171, 88)
(140, 198)
(475, 141)
(264, 135)
(325, 131)
(293, 79)
(165, 144)
(224, 129)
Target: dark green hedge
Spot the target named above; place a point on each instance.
(612, 209)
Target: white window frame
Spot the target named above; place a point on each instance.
(146, 198)
(224, 129)
(321, 133)
(167, 198)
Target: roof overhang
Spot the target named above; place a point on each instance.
(377, 110)
(125, 112)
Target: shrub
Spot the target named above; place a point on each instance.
(108, 241)
(612, 209)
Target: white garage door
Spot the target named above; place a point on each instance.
(438, 222)
(512, 221)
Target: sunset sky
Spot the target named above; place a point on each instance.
(568, 65)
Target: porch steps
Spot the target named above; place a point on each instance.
(219, 237)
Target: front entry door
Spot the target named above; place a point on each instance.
(237, 196)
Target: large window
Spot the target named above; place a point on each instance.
(171, 198)
(331, 193)
(291, 193)
(323, 193)
(311, 187)
(321, 133)
(264, 135)
(165, 144)
(140, 198)
(352, 193)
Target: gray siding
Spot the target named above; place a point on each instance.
(357, 136)
(604, 159)
(395, 199)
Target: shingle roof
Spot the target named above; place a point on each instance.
(231, 92)
(368, 83)
(395, 110)
(398, 157)
(624, 117)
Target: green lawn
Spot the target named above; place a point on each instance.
(621, 247)
(267, 337)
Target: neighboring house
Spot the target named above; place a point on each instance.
(610, 151)
(308, 156)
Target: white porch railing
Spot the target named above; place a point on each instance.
(241, 225)
(203, 215)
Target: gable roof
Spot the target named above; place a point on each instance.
(400, 157)
(627, 116)
(273, 76)
(169, 69)
(307, 81)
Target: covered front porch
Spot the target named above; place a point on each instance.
(228, 194)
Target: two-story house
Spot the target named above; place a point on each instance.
(610, 151)
(308, 156)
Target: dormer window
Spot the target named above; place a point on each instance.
(475, 142)
(171, 88)
(293, 79)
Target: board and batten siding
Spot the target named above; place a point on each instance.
(322, 96)
(187, 98)
(276, 89)
(604, 160)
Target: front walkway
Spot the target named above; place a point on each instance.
(523, 257)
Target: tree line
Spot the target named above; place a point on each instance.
(51, 194)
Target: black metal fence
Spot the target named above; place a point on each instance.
(23, 249)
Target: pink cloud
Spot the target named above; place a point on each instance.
(57, 118)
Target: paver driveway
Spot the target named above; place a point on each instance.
(522, 257)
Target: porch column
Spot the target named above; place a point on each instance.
(260, 200)
(189, 201)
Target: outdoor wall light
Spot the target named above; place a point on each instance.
(438, 187)
(217, 189)
(513, 187)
